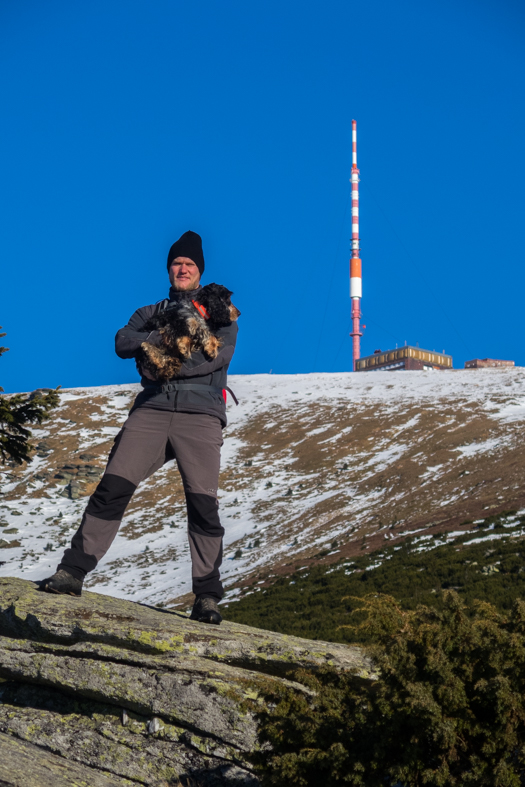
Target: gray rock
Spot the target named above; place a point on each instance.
(154, 726)
(25, 765)
(139, 694)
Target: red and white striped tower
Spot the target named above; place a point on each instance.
(356, 289)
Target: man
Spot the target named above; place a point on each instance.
(180, 420)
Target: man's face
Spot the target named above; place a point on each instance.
(184, 274)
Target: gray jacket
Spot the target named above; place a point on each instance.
(197, 372)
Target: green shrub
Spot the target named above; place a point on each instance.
(308, 603)
(16, 412)
(448, 709)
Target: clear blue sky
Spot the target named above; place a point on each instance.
(125, 123)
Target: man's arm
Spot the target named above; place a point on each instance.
(198, 365)
(131, 336)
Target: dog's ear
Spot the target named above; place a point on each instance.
(219, 290)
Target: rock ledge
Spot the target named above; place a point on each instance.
(99, 691)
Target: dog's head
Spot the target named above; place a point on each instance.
(216, 299)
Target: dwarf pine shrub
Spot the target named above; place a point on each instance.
(308, 603)
(16, 412)
(447, 710)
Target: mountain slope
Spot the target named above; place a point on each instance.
(315, 468)
(484, 563)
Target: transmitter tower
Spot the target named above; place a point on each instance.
(356, 288)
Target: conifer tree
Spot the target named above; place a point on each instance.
(18, 410)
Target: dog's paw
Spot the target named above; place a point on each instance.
(212, 346)
(149, 350)
(193, 325)
(184, 346)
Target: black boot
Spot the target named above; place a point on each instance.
(62, 582)
(206, 610)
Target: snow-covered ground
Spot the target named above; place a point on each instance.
(318, 463)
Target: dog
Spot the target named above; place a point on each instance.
(186, 326)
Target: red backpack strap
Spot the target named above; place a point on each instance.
(229, 391)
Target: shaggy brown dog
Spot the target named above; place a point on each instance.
(187, 326)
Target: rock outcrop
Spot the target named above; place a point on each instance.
(100, 691)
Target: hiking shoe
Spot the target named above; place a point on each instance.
(62, 582)
(206, 610)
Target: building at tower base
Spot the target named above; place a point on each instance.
(404, 358)
(486, 363)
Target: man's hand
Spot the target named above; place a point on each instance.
(155, 338)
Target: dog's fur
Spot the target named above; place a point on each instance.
(184, 330)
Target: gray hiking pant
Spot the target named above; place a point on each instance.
(148, 439)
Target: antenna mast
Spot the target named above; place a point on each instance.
(356, 288)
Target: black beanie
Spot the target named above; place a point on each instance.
(188, 245)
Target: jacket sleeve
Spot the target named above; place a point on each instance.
(131, 336)
(198, 365)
